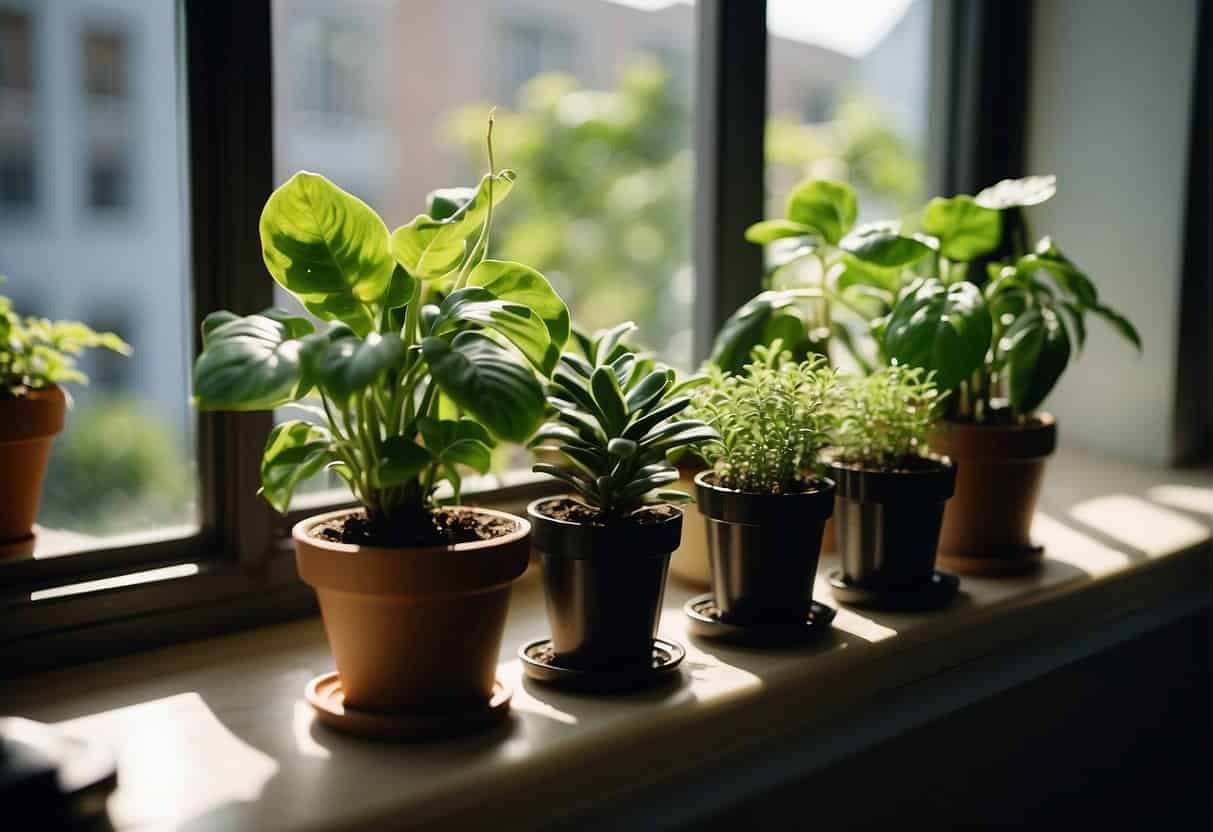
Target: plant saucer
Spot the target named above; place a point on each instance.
(1002, 564)
(540, 664)
(938, 591)
(704, 619)
(327, 699)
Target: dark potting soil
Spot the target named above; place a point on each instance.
(798, 486)
(574, 511)
(909, 464)
(440, 527)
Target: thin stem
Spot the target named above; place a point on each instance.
(480, 250)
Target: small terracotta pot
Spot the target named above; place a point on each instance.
(28, 426)
(414, 629)
(999, 469)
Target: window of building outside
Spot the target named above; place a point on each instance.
(123, 470)
(16, 113)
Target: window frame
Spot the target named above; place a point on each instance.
(245, 564)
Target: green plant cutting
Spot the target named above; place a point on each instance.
(881, 421)
(428, 352)
(36, 353)
(997, 322)
(821, 262)
(615, 419)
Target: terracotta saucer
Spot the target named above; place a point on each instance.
(539, 663)
(325, 696)
(994, 566)
(932, 594)
(703, 619)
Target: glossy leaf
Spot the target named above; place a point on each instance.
(882, 246)
(965, 230)
(520, 325)
(745, 329)
(1035, 349)
(945, 329)
(517, 283)
(1018, 193)
(609, 398)
(830, 208)
(295, 451)
(486, 381)
(401, 460)
(462, 441)
(768, 231)
(250, 363)
(444, 203)
(326, 247)
(349, 365)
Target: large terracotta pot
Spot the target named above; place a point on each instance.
(999, 469)
(28, 426)
(414, 629)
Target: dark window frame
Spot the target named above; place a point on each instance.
(245, 566)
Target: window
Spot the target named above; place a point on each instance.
(16, 112)
(109, 135)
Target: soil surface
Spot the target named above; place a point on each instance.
(440, 527)
(575, 511)
(798, 486)
(911, 464)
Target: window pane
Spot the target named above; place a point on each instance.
(92, 229)
(593, 110)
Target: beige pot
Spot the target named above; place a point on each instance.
(414, 629)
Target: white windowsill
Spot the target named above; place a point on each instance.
(215, 735)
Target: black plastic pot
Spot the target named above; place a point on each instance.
(603, 586)
(887, 522)
(764, 550)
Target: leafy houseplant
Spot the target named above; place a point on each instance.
(36, 356)
(997, 322)
(411, 392)
(891, 493)
(605, 547)
(765, 507)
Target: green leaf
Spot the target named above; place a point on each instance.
(608, 341)
(827, 207)
(430, 247)
(485, 380)
(463, 441)
(520, 324)
(1018, 193)
(623, 448)
(349, 365)
(521, 284)
(444, 203)
(1120, 324)
(609, 398)
(401, 460)
(326, 247)
(881, 246)
(294, 451)
(399, 290)
(946, 329)
(965, 230)
(768, 231)
(1036, 350)
(649, 390)
(744, 330)
(250, 363)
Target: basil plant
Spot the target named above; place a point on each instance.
(428, 352)
(822, 264)
(994, 320)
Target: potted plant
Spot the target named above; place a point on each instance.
(765, 507)
(413, 591)
(36, 357)
(996, 322)
(890, 495)
(605, 546)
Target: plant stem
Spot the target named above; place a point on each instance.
(480, 249)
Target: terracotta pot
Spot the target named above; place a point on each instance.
(987, 524)
(28, 425)
(414, 629)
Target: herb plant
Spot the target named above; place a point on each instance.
(995, 320)
(614, 422)
(880, 421)
(430, 354)
(37, 353)
(771, 421)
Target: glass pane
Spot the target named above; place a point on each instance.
(92, 228)
(593, 110)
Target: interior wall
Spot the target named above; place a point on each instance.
(1110, 108)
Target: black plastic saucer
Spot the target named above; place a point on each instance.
(937, 592)
(539, 663)
(703, 619)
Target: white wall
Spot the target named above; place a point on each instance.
(1110, 107)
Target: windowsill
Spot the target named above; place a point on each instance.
(216, 735)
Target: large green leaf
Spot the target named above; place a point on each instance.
(400, 460)
(745, 328)
(485, 379)
(965, 230)
(520, 324)
(250, 363)
(431, 247)
(946, 329)
(326, 247)
(827, 207)
(768, 231)
(518, 283)
(883, 246)
(462, 441)
(1035, 350)
(294, 451)
(349, 365)
(1018, 193)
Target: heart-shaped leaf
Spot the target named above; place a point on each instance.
(1018, 193)
(250, 363)
(829, 208)
(349, 365)
(294, 451)
(517, 283)
(485, 379)
(945, 329)
(326, 247)
(1035, 350)
(520, 324)
(965, 230)
(882, 246)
